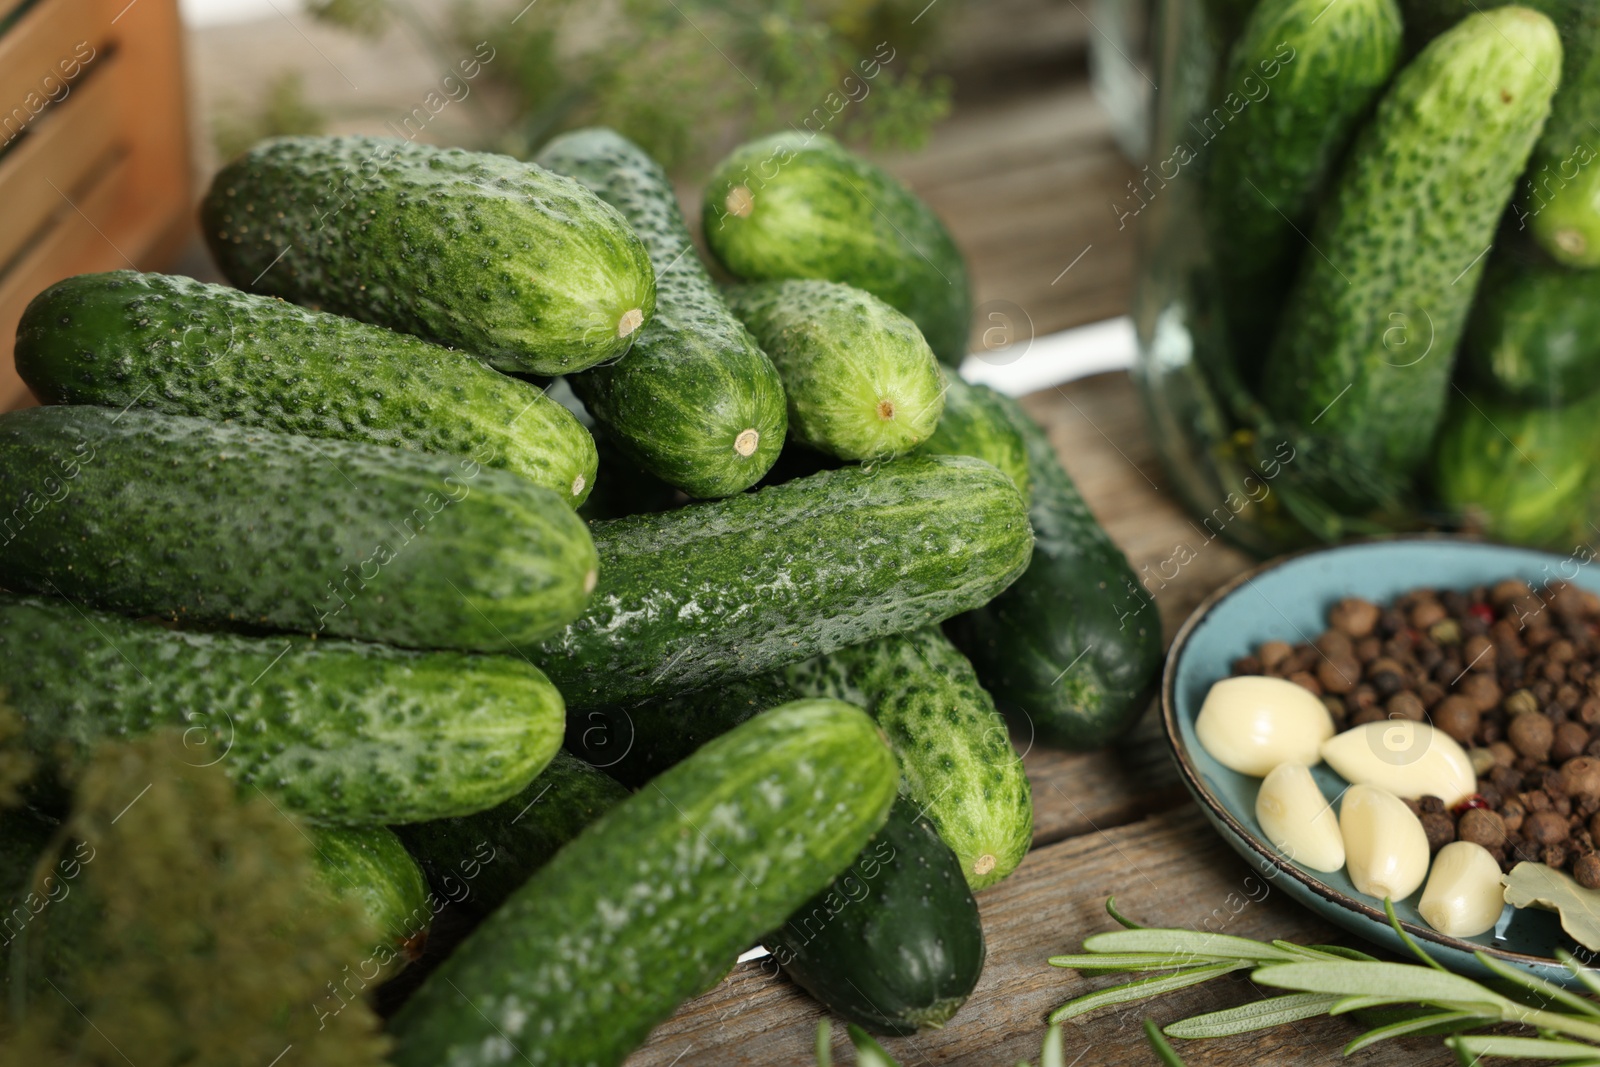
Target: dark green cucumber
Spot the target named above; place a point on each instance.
(347, 733)
(1534, 334)
(492, 852)
(646, 906)
(525, 268)
(800, 206)
(693, 597)
(1271, 161)
(862, 383)
(894, 943)
(1518, 473)
(1070, 651)
(976, 422)
(696, 402)
(369, 867)
(1363, 356)
(182, 347)
(164, 514)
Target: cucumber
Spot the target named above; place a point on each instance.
(695, 403)
(519, 266)
(492, 852)
(1270, 163)
(646, 906)
(1534, 334)
(862, 383)
(977, 423)
(1071, 651)
(369, 867)
(800, 206)
(1362, 361)
(346, 733)
(163, 514)
(183, 347)
(894, 943)
(691, 598)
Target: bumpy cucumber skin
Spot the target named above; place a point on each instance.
(1268, 166)
(693, 597)
(862, 383)
(1071, 651)
(347, 733)
(1534, 334)
(1363, 355)
(519, 266)
(165, 514)
(183, 347)
(977, 423)
(649, 903)
(686, 400)
(894, 943)
(492, 852)
(804, 207)
(369, 866)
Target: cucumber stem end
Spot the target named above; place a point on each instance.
(745, 444)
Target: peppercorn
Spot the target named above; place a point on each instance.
(1587, 871)
(1440, 828)
(1571, 739)
(1507, 590)
(1354, 616)
(1482, 827)
(1273, 653)
(1426, 613)
(1458, 717)
(1405, 705)
(1386, 675)
(1481, 689)
(1339, 673)
(1512, 814)
(1531, 734)
(1554, 856)
(1521, 702)
(1307, 682)
(1545, 828)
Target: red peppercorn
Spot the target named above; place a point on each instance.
(1476, 800)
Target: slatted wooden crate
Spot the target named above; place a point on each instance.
(94, 148)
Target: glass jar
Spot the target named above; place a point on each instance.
(1468, 405)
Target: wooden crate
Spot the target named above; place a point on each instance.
(94, 148)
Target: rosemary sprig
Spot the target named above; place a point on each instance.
(1331, 980)
(871, 1054)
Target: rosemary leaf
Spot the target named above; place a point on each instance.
(1549, 990)
(1406, 1028)
(1164, 1051)
(1052, 1053)
(1524, 1048)
(1585, 974)
(1142, 988)
(1396, 981)
(1129, 961)
(1343, 953)
(1191, 942)
(1121, 919)
(1257, 1015)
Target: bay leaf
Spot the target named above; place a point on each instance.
(1538, 886)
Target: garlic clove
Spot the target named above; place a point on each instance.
(1385, 847)
(1251, 724)
(1408, 759)
(1464, 896)
(1298, 820)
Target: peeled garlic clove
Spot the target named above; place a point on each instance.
(1408, 759)
(1251, 724)
(1464, 896)
(1298, 820)
(1385, 847)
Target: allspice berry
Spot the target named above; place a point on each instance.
(1570, 740)
(1479, 652)
(1354, 616)
(1440, 828)
(1458, 717)
(1587, 870)
(1545, 828)
(1405, 705)
(1426, 613)
(1531, 734)
(1481, 689)
(1580, 776)
(1482, 827)
(1307, 681)
(1273, 654)
(1339, 674)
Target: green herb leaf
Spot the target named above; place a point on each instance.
(1164, 1051)
(1121, 919)
(1524, 1048)
(1196, 944)
(1538, 886)
(1583, 973)
(1051, 1053)
(1142, 988)
(1397, 981)
(824, 1043)
(1405, 938)
(1343, 953)
(1128, 961)
(1406, 1028)
(868, 1052)
(1256, 1015)
(1548, 990)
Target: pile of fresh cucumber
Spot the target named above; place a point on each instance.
(322, 525)
(1402, 204)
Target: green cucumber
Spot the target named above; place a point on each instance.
(693, 597)
(1534, 334)
(524, 268)
(647, 906)
(369, 867)
(695, 403)
(182, 347)
(1071, 651)
(347, 733)
(976, 422)
(1363, 357)
(801, 206)
(1518, 473)
(1269, 164)
(492, 852)
(164, 514)
(862, 383)
(894, 943)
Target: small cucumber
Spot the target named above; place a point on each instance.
(182, 347)
(894, 944)
(1270, 163)
(694, 597)
(1534, 334)
(862, 383)
(977, 423)
(1363, 357)
(347, 733)
(164, 514)
(492, 852)
(371, 868)
(647, 906)
(695, 403)
(800, 206)
(524, 268)
(1071, 650)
